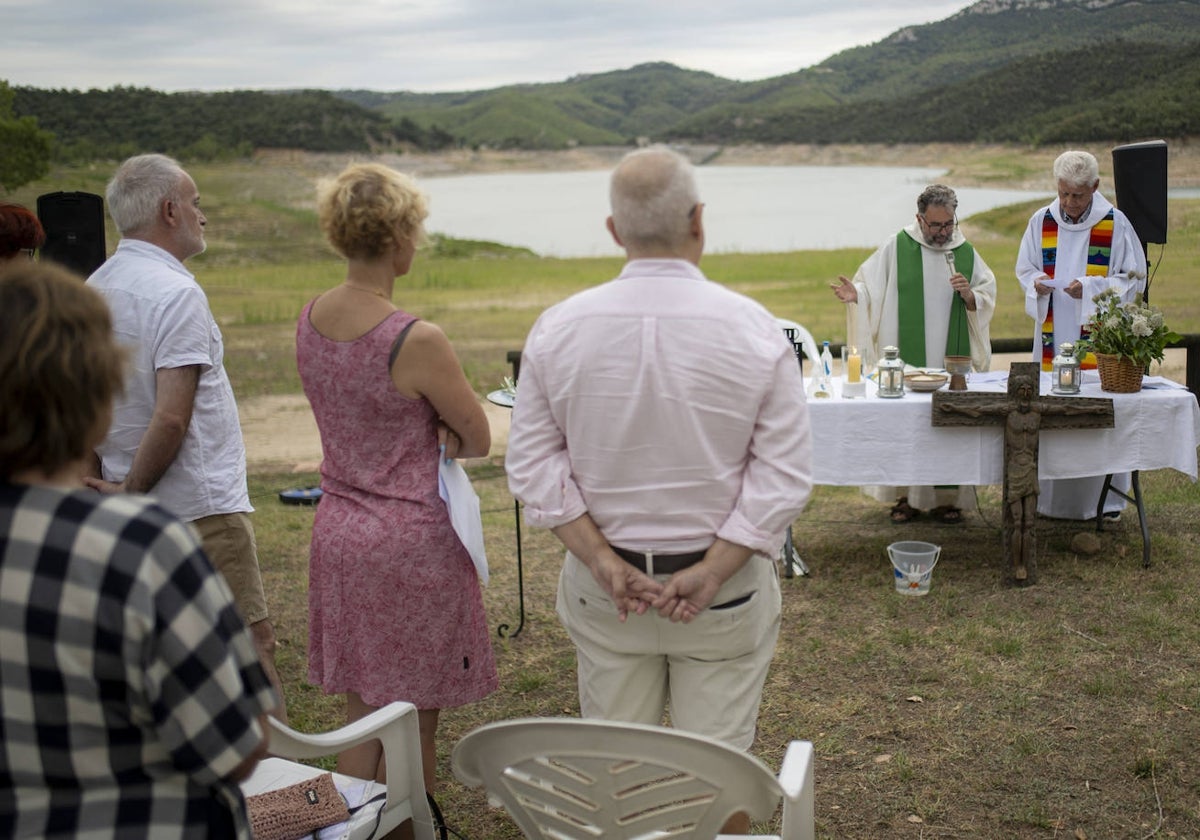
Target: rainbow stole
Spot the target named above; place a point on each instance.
(1099, 253)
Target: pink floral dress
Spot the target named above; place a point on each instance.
(394, 604)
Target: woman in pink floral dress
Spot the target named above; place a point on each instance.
(395, 611)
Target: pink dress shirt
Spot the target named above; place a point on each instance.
(669, 408)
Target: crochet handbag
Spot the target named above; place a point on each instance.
(296, 810)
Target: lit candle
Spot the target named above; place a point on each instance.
(854, 367)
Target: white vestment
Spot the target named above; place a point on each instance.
(878, 325)
(1076, 498)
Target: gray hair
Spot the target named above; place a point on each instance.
(937, 195)
(1079, 169)
(138, 189)
(653, 194)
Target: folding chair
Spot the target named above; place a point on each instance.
(806, 347)
(802, 340)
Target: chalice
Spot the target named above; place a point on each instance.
(958, 367)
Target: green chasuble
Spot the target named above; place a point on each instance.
(910, 279)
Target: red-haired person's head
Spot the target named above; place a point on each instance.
(20, 233)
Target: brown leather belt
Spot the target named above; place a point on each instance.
(652, 562)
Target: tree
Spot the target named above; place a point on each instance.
(24, 148)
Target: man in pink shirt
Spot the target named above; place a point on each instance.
(660, 431)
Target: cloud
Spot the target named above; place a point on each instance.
(424, 45)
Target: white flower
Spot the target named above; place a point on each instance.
(1141, 326)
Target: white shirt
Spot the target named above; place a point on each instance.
(162, 315)
(667, 407)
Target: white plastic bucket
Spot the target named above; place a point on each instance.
(912, 565)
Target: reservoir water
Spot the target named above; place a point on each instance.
(747, 209)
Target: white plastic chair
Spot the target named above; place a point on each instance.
(574, 779)
(395, 726)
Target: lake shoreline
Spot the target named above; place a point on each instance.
(966, 164)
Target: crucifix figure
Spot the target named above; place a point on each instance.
(1024, 414)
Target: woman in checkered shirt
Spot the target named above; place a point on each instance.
(133, 698)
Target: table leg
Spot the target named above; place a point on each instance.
(502, 630)
(1135, 484)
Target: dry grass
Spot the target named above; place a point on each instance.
(1067, 709)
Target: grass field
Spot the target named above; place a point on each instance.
(1063, 710)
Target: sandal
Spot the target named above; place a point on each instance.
(947, 515)
(903, 512)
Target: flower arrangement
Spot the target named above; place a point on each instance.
(1133, 331)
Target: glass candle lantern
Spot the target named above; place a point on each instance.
(889, 374)
(1065, 370)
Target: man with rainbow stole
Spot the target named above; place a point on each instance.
(929, 293)
(1073, 249)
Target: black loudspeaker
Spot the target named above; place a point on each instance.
(1140, 175)
(74, 224)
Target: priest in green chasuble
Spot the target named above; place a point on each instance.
(928, 292)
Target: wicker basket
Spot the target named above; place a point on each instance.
(1118, 375)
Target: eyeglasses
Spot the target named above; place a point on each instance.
(939, 227)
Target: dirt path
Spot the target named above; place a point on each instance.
(281, 434)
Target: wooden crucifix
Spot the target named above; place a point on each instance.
(1024, 414)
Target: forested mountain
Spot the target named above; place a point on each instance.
(124, 120)
(1159, 96)
(1035, 71)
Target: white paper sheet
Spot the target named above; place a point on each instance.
(454, 486)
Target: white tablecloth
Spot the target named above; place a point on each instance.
(871, 440)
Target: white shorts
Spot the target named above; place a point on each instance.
(711, 670)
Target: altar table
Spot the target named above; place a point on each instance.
(871, 440)
(893, 442)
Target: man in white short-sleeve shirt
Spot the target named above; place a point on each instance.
(175, 433)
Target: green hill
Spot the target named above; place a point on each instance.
(597, 109)
(126, 120)
(1109, 61)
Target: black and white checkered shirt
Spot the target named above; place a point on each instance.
(129, 686)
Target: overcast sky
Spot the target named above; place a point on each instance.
(424, 45)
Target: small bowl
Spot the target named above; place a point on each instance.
(925, 381)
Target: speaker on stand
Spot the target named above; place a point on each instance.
(1140, 177)
(74, 224)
